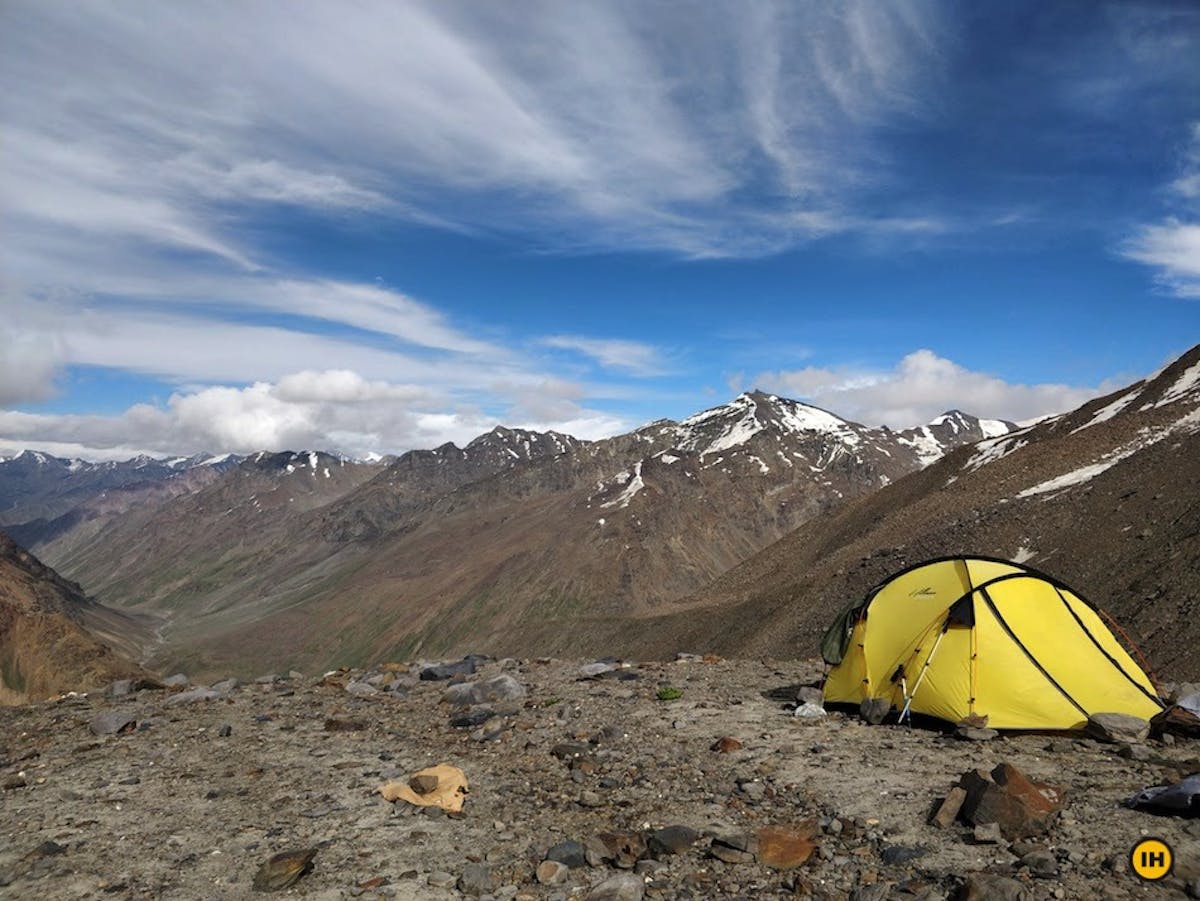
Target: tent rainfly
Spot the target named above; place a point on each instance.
(964, 636)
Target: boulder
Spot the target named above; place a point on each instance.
(874, 710)
(1005, 796)
(622, 887)
(1118, 728)
(785, 847)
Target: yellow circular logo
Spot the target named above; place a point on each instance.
(1151, 859)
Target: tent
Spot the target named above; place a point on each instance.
(963, 636)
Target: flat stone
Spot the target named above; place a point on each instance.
(570, 853)
(439, 879)
(785, 847)
(179, 680)
(1041, 863)
(552, 872)
(1116, 728)
(191, 696)
(988, 834)
(593, 670)
(975, 733)
(622, 887)
(896, 855)
(362, 690)
(622, 849)
(442, 671)
(283, 870)
(476, 879)
(1007, 797)
(112, 722)
(985, 887)
(672, 840)
(725, 745)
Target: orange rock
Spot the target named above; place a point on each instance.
(726, 744)
(785, 847)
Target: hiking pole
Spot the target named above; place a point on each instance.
(907, 711)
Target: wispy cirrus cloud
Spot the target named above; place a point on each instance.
(1172, 246)
(635, 357)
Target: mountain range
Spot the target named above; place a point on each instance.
(742, 530)
(509, 544)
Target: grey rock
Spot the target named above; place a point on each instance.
(1116, 728)
(225, 686)
(120, 688)
(810, 695)
(569, 853)
(988, 834)
(809, 711)
(622, 887)
(268, 679)
(874, 710)
(179, 680)
(895, 855)
(476, 879)
(191, 696)
(985, 887)
(362, 690)
(110, 722)
(671, 840)
(1134, 752)
(439, 879)
(592, 670)
(975, 733)
(1041, 863)
(488, 691)
(441, 671)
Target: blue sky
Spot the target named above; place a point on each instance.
(375, 226)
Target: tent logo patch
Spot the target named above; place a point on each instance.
(1151, 859)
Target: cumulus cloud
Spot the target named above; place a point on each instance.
(28, 364)
(335, 410)
(921, 386)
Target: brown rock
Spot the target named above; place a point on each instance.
(784, 847)
(551, 872)
(423, 783)
(623, 849)
(947, 811)
(726, 745)
(334, 724)
(283, 870)
(1022, 808)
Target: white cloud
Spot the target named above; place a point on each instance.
(28, 364)
(636, 357)
(1173, 245)
(335, 410)
(921, 386)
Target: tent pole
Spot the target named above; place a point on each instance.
(908, 698)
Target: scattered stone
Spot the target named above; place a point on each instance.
(225, 686)
(810, 695)
(472, 719)
(269, 679)
(726, 745)
(622, 887)
(423, 783)
(569, 853)
(552, 872)
(947, 811)
(442, 671)
(179, 680)
(809, 710)
(17, 780)
(362, 690)
(225, 731)
(874, 710)
(120, 688)
(337, 724)
(671, 840)
(988, 834)
(896, 855)
(622, 849)
(974, 733)
(567, 750)
(1134, 752)
(439, 879)
(785, 847)
(734, 847)
(985, 887)
(191, 696)
(595, 670)
(476, 879)
(1117, 728)
(112, 722)
(1041, 863)
(283, 870)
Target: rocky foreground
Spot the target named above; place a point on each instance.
(692, 779)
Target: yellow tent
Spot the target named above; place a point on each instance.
(972, 635)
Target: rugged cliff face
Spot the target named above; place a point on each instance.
(48, 632)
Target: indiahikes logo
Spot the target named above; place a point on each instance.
(1151, 859)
